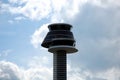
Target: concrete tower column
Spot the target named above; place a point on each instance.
(59, 63)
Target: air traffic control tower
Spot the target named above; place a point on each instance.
(60, 41)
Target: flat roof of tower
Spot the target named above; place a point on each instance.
(59, 26)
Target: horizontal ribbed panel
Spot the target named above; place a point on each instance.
(59, 66)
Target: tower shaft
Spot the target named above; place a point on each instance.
(59, 63)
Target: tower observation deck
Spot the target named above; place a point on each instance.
(59, 41)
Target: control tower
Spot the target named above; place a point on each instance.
(59, 41)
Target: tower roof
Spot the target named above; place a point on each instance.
(60, 26)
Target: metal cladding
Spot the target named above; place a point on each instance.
(59, 37)
(60, 68)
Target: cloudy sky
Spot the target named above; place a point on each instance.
(96, 27)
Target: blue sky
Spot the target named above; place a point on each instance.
(23, 26)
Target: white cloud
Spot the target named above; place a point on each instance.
(80, 74)
(39, 61)
(41, 73)
(13, 1)
(3, 7)
(98, 27)
(39, 69)
(41, 8)
(39, 35)
(11, 21)
(9, 71)
(19, 18)
(110, 74)
(5, 52)
(105, 3)
(66, 10)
